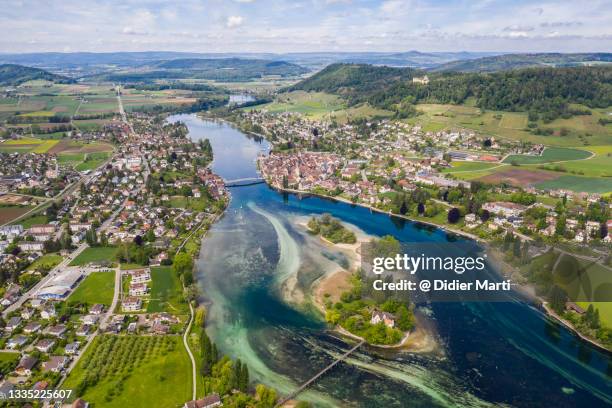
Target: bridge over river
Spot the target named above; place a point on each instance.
(294, 394)
(242, 182)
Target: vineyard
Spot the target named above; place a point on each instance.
(116, 369)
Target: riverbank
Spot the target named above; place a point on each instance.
(378, 210)
(528, 291)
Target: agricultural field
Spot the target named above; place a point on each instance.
(133, 371)
(166, 292)
(92, 161)
(531, 175)
(578, 183)
(83, 156)
(134, 99)
(27, 145)
(320, 106)
(518, 176)
(311, 104)
(549, 155)
(468, 166)
(10, 212)
(98, 287)
(599, 165)
(95, 254)
(582, 130)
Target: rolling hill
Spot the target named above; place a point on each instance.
(12, 75)
(355, 82)
(546, 91)
(515, 61)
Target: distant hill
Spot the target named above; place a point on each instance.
(545, 91)
(249, 66)
(12, 75)
(89, 61)
(515, 61)
(218, 69)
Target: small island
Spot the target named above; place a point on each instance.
(331, 229)
(379, 319)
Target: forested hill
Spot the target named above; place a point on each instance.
(356, 82)
(11, 75)
(547, 91)
(515, 61)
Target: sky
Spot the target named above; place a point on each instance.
(279, 26)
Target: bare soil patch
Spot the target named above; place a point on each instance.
(10, 213)
(518, 177)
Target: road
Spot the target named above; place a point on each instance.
(186, 343)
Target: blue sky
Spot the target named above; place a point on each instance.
(305, 25)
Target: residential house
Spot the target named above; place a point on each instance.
(131, 304)
(387, 318)
(45, 345)
(32, 327)
(13, 323)
(210, 401)
(57, 330)
(55, 363)
(25, 366)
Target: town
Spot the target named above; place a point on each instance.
(100, 256)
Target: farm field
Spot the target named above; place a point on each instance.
(320, 106)
(550, 154)
(598, 166)
(166, 292)
(95, 254)
(312, 104)
(582, 130)
(532, 176)
(578, 183)
(92, 161)
(27, 145)
(10, 212)
(134, 99)
(133, 371)
(98, 287)
(468, 166)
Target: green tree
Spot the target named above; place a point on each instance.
(182, 263)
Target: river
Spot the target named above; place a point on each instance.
(495, 354)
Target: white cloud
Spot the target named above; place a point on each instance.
(129, 30)
(234, 21)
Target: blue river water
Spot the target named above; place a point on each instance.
(493, 354)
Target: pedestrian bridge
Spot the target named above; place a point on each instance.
(242, 182)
